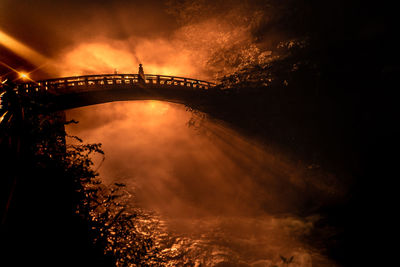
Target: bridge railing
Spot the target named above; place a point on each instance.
(88, 81)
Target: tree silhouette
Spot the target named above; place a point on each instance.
(59, 196)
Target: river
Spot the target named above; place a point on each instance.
(225, 199)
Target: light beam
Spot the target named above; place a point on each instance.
(21, 50)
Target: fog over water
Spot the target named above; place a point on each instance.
(332, 68)
(207, 182)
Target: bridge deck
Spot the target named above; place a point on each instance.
(91, 82)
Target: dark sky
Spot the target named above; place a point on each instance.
(200, 38)
(172, 37)
(55, 28)
(49, 26)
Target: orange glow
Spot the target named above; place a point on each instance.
(157, 107)
(189, 52)
(8, 66)
(21, 50)
(154, 136)
(23, 75)
(208, 172)
(94, 58)
(158, 57)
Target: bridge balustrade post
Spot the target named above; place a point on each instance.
(158, 79)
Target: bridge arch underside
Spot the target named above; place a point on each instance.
(73, 99)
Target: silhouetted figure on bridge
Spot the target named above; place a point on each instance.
(141, 78)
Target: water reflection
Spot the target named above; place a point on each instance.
(222, 199)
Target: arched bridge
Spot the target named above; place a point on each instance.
(69, 92)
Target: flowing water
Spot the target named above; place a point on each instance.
(221, 199)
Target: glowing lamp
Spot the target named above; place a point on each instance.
(23, 75)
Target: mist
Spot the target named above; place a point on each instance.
(206, 181)
(200, 176)
(182, 38)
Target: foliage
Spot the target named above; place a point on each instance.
(124, 232)
(116, 232)
(287, 64)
